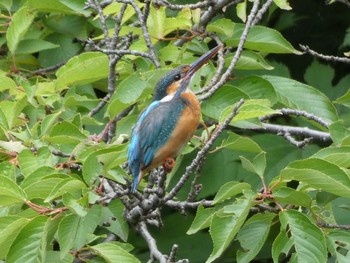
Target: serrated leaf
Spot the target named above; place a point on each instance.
(257, 87)
(74, 232)
(283, 4)
(82, 69)
(222, 25)
(10, 227)
(240, 143)
(65, 133)
(337, 155)
(262, 39)
(7, 83)
(10, 192)
(253, 235)
(225, 224)
(29, 162)
(28, 245)
(282, 244)
(250, 109)
(338, 241)
(229, 190)
(227, 95)
(249, 60)
(131, 88)
(319, 174)
(20, 23)
(29, 46)
(297, 95)
(68, 185)
(112, 215)
(42, 188)
(308, 239)
(290, 196)
(112, 252)
(202, 219)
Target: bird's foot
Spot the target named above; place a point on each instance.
(168, 164)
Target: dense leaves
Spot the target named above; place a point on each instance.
(74, 77)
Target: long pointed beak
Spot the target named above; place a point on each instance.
(202, 60)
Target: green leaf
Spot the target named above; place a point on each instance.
(29, 162)
(29, 46)
(253, 235)
(283, 4)
(338, 241)
(257, 165)
(297, 95)
(42, 188)
(339, 132)
(229, 190)
(225, 224)
(241, 10)
(257, 87)
(57, 6)
(344, 100)
(116, 223)
(82, 69)
(74, 232)
(10, 192)
(250, 109)
(7, 83)
(282, 244)
(68, 185)
(337, 155)
(202, 219)
(112, 252)
(290, 196)
(223, 25)
(20, 23)
(309, 241)
(227, 95)
(319, 174)
(249, 60)
(131, 88)
(65, 133)
(239, 143)
(262, 39)
(29, 245)
(10, 227)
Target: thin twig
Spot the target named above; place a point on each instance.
(307, 50)
(238, 53)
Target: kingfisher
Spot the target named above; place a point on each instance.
(168, 123)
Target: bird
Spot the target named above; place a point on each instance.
(168, 123)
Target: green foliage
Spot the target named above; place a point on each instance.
(267, 200)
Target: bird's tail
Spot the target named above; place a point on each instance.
(136, 179)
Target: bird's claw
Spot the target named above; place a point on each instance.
(168, 164)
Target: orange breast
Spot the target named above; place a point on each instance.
(185, 128)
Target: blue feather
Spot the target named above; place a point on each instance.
(151, 132)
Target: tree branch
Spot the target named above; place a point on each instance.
(238, 53)
(307, 50)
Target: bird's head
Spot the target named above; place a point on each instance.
(172, 81)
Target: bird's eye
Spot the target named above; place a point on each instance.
(177, 77)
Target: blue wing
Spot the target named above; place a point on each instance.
(151, 131)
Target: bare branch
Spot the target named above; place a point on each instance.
(261, 12)
(151, 242)
(302, 131)
(325, 225)
(144, 30)
(310, 116)
(238, 53)
(203, 4)
(307, 50)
